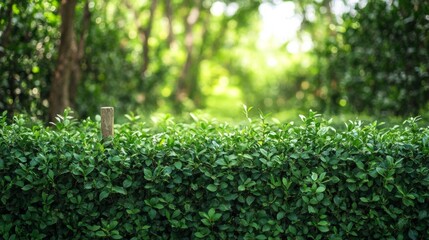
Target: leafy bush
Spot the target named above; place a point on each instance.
(377, 58)
(214, 181)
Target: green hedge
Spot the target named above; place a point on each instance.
(214, 181)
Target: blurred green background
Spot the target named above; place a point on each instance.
(343, 58)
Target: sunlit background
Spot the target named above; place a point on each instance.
(349, 58)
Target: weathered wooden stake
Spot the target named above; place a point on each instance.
(107, 120)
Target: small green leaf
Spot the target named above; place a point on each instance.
(206, 222)
(127, 183)
(314, 176)
(280, 215)
(231, 197)
(121, 190)
(250, 199)
(360, 165)
(113, 224)
(380, 170)
(115, 159)
(152, 213)
(323, 228)
(351, 187)
(27, 187)
(212, 188)
(413, 234)
(158, 206)
(264, 152)
(128, 227)
(133, 211)
(147, 174)
(221, 162)
(211, 212)
(100, 234)
(323, 223)
(93, 227)
(199, 235)
(334, 179)
(320, 189)
(216, 216)
(104, 194)
(292, 229)
(285, 182)
(178, 165)
(261, 237)
(311, 209)
(51, 174)
(407, 202)
(116, 236)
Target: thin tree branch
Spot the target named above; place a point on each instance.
(147, 33)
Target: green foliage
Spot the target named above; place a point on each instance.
(214, 181)
(29, 31)
(376, 58)
(371, 59)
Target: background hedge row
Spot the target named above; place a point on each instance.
(214, 181)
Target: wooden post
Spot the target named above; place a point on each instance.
(107, 120)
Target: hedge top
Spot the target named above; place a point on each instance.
(214, 181)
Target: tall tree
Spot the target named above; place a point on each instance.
(144, 31)
(81, 43)
(169, 15)
(145, 34)
(67, 74)
(182, 85)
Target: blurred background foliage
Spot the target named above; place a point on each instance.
(367, 57)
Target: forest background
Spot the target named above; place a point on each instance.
(366, 58)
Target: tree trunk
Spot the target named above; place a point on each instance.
(145, 38)
(182, 87)
(59, 98)
(77, 66)
(144, 33)
(169, 15)
(194, 88)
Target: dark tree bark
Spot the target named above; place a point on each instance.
(67, 74)
(59, 93)
(77, 71)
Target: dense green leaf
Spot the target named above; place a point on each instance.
(121, 190)
(320, 189)
(212, 188)
(135, 197)
(100, 234)
(250, 200)
(104, 194)
(27, 187)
